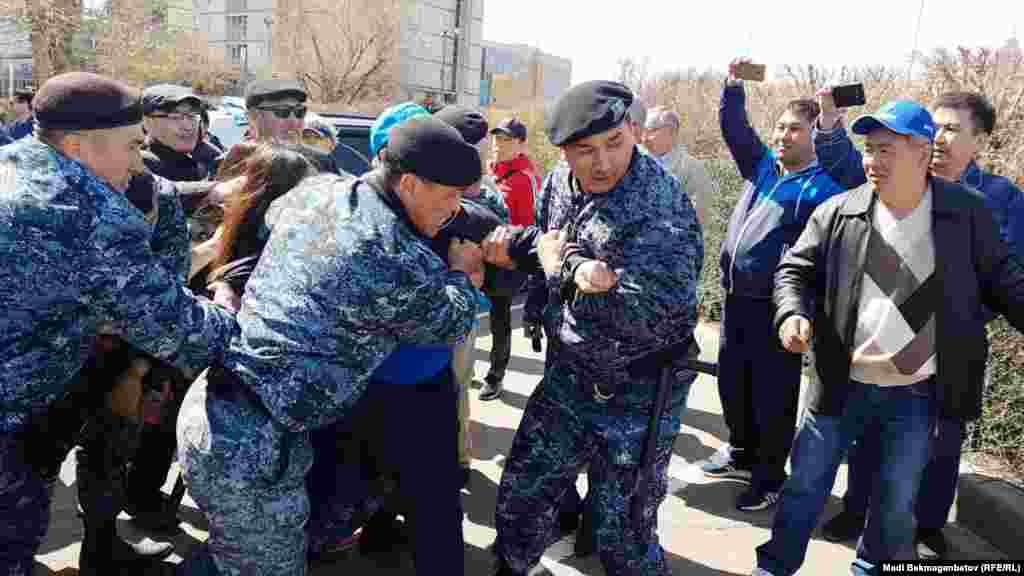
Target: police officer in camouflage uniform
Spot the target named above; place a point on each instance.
(622, 271)
(74, 252)
(346, 284)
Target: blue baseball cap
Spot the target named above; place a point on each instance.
(389, 119)
(902, 117)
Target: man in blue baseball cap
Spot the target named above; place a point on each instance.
(963, 121)
(887, 279)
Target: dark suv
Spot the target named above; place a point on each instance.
(353, 137)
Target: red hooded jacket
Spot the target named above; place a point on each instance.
(518, 182)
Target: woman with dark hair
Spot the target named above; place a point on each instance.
(267, 173)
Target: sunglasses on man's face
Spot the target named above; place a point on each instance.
(283, 112)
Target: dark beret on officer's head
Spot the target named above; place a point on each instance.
(24, 95)
(471, 124)
(587, 109)
(85, 101)
(434, 151)
(261, 90)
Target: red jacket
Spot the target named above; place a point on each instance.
(518, 182)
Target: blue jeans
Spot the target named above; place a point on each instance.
(938, 484)
(898, 420)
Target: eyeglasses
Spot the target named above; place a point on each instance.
(192, 119)
(283, 112)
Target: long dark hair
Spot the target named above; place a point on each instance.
(270, 172)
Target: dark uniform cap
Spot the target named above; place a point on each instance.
(512, 128)
(434, 151)
(587, 109)
(84, 101)
(261, 90)
(471, 124)
(166, 97)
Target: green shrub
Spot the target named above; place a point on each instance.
(719, 209)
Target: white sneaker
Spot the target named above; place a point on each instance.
(721, 457)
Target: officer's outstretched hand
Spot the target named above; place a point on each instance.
(795, 334)
(549, 251)
(594, 277)
(125, 398)
(467, 257)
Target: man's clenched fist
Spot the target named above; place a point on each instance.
(795, 334)
(594, 276)
(467, 257)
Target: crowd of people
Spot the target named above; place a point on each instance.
(299, 334)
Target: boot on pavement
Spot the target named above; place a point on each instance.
(100, 480)
(492, 388)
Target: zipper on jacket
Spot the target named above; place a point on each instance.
(749, 217)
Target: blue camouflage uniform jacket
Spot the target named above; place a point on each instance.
(344, 279)
(75, 252)
(646, 230)
(157, 198)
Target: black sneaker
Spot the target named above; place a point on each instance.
(491, 390)
(729, 471)
(754, 500)
(931, 544)
(843, 527)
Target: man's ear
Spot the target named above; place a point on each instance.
(71, 146)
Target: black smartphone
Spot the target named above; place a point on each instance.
(849, 95)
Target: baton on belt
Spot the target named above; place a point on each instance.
(645, 473)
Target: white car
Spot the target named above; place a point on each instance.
(228, 122)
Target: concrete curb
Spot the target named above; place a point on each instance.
(993, 509)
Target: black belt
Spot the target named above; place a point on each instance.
(604, 383)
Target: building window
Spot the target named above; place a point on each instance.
(236, 5)
(236, 53)
(237, 27)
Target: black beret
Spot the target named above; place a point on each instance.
(165, 97)
(434, 151)
(471, 124)
(84, 101)
(24, 94)
(260, 90)
(587, 109)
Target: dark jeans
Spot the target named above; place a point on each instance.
(759, 386)
(501, 335)
(897, 419)
(938, 483)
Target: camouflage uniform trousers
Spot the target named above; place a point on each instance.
(564, 428)
(247, 474)
(24, 510)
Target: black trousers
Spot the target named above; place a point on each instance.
(412, 435)
(501, 334)
(759, 386)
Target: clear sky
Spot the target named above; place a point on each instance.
(594, 34)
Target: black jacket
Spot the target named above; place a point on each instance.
(474, 222)
(820, 279)
(186, 172)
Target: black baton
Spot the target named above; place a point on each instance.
(646, 471)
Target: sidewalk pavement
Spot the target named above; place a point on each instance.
(701, 531)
